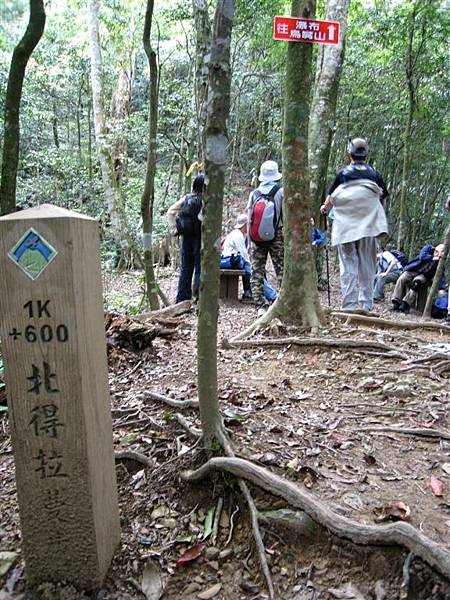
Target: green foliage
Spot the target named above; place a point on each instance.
(58, 156)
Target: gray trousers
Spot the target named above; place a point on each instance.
(380, 282)
(402, 291)
(357, 266)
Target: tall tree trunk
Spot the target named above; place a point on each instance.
(299, 299)
(437, 277)
(323, 108)
(202, 50)
(120, 111)
(55, 125)
(148, 195)
(89, 121)
(412, 91)
(216, 162)
(11, 136)
(103, 148)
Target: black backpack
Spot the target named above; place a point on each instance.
(187, 219)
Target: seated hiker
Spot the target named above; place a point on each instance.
(235, 256)
(317, 236)
(419, 271)
(389, 269)
(440, 308)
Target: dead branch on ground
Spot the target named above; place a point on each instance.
(175, 310)
(127, 333)
(399, 534)
(425, 432)
(386, 323)
(357, 345)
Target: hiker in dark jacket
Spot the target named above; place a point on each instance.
(419, 271)
(190, 243)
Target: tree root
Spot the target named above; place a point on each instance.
(228, 448)
(136, 456)
(260, 323)
(431, 433)
(357, 345)
(398, 534)
(386, 323)
(174, 310)
(171, 401)
(189, 428)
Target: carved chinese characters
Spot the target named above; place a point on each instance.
(53, 342)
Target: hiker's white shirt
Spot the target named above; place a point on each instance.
(389, 257)
(358, 212)
(234, 243)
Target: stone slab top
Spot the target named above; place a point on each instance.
(45, 211)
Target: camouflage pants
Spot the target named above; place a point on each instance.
(259, 260)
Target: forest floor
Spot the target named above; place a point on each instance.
(305, 413)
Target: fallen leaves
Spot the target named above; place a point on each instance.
(398, 511)
(210, 592)
(436, 486)
(152, 585)
(6, 561)
(190, 555)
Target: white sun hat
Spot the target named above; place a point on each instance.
(269, 171)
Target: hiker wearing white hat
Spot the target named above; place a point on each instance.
(265, 229)
(235, 248)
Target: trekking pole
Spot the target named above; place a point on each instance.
(325, 220)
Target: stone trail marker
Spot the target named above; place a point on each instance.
(53, 343)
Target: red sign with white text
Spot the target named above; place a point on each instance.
(295, 29)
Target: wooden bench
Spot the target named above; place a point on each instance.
(229, 283)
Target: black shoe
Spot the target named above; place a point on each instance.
(404, 307)
(395, 306)
(247, 297)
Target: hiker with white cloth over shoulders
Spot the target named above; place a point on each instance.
(357, 194)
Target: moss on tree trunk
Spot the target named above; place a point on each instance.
(299, 298)
(216, 161)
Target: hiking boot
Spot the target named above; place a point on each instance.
(404, 307)
(247, 297)
(261, 311)
(395, 306)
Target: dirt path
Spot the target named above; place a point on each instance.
(310, 414)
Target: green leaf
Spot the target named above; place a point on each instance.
(208, 523)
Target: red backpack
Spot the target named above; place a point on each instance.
(264, 220)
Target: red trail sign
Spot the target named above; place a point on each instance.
(296, 29)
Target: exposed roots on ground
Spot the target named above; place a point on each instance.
(135, 456)
(386, 323)
(272, 313)
(311, 319)
(425, 432)
(174, 310)
(171, 401)
(228, 448)
(357, 345)
(189, 428)
(398, 534)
